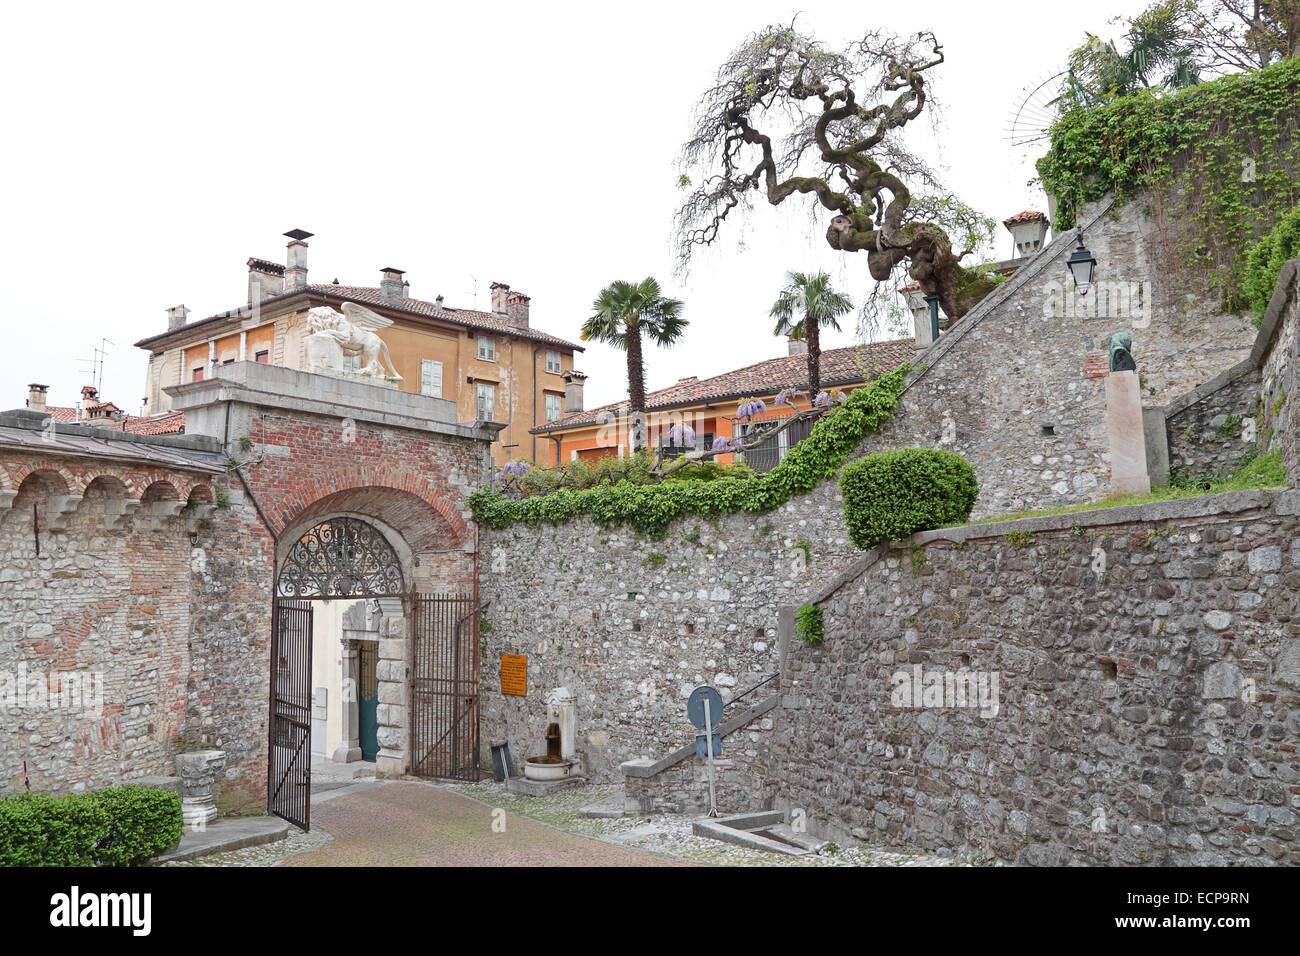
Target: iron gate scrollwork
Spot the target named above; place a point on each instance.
(289, 760)
(341, 557)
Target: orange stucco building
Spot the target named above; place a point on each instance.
(709, 406)
(494, 365)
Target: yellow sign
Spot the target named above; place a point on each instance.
(514, 674)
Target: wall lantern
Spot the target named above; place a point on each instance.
(1081, 265)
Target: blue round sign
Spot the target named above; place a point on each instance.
(695, 706)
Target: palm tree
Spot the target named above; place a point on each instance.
(624, 311)
(818, 305)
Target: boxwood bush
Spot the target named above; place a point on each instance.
(122, 826)
(892, 494)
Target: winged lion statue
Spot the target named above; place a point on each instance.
(354, 332)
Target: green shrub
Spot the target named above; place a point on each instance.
(892, 494)
(143, 822)
(651, 508)
(808, 624)
(41, 830)
(1264, 263)
(122, 826)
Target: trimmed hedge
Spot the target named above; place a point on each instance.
(652, 508)
(1264, 264)
(122, 826)
(892, 494)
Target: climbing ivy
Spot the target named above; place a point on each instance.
(652, 508)
(1226, 151)
(1264, 264)
(808, 625)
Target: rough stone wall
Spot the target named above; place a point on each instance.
(1033, 355)
(230, 580)
(175, 632)
(1279, 366)
(1211, 434)
(632, 625)
(1149, 705)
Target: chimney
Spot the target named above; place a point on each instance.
(265, 279)
(438, 303)
(295, 268)
(36, 397)
(176, 317)
(1028, 232)
(89, 396)
(796, 346)
(923, 333)
(573, 382)
(500, 292)
(391, 286)
(517, 309)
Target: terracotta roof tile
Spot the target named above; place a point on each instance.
(1029, 215)
(838, 367)
(167, 423)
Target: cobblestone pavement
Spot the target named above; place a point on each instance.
(268, 854)
(417, 824)
(671, 833)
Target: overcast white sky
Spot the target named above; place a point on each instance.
(154, 148)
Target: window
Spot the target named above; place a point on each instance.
(669, 450)
(553, 362)
(431, 378)
(485, 402)
(198, 374)
(487, 348)
(554, 407)
(263, 356)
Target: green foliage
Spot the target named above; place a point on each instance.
(808, 624)
(892, 494)
(123, 826)
(1020, 539)
(652, 508)
(1193, 144)
(1264, 263)
(975, 283)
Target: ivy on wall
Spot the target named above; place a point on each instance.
(1264, 264)
(652, 508)
(1227, 151)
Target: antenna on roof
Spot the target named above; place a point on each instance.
(95, 364)
(474, 292)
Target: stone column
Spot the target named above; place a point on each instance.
(393, 758)
(351, 748)
(198, 772)
(561, 708)
(1127, 435)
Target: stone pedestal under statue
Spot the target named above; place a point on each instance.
(1126, 434)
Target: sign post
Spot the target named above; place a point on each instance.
(702, 706)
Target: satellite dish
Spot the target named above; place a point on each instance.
(1032, 117)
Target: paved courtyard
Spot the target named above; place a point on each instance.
(417, 824)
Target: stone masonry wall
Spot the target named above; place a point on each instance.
(631, 625)
(1149, 710)
(1212, 431)
(174, 632)
(1280, 362)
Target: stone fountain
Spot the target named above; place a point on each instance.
(558, 768)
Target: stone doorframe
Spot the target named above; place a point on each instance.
(393, 758)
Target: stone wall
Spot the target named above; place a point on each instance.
(1148, 660)
(1277, 351)
(1213, 428)
(162, 609)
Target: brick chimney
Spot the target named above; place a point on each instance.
(36, 397)
(517, 309)
(573, 382)
(295, 263)
(391, 285)
(176, 317)
(265, 279)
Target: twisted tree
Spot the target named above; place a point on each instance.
(788, 117)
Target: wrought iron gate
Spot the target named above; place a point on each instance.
(289, 759)
(444, 687)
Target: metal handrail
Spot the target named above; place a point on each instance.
(769, 677)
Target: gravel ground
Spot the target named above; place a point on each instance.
(670, 834)
(268, 854)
